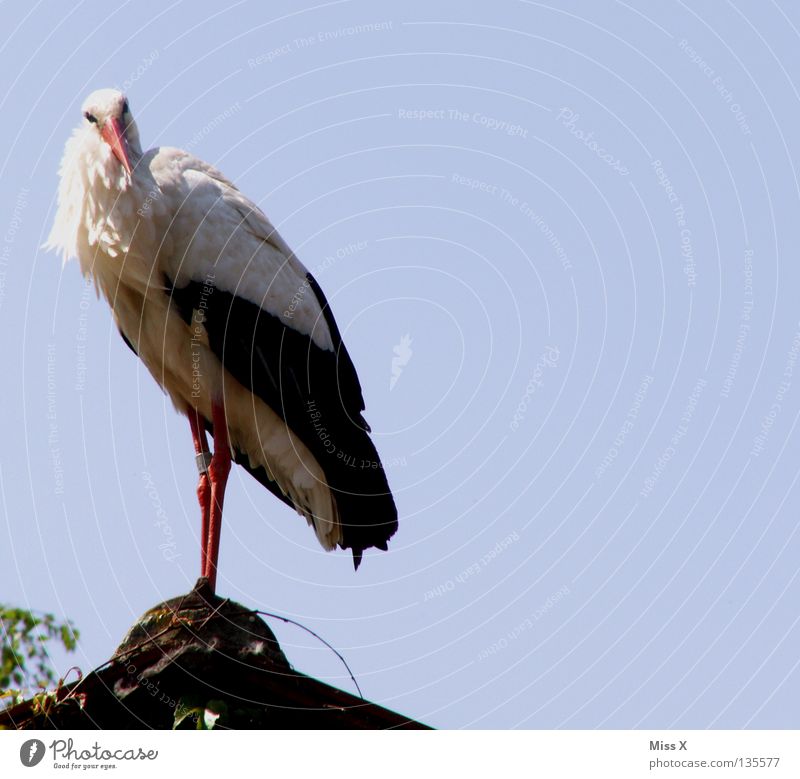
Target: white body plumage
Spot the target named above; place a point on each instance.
(176, 217)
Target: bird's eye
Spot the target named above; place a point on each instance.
(125, 107)
(90, 118)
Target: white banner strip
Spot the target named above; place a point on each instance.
(353, 754)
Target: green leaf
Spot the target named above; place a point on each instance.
(23, 644)
(188, 705)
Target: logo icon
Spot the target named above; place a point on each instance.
(402, 354)
(31, 752)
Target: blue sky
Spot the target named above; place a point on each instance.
(571, 226)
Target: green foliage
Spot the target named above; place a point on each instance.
(23, 647)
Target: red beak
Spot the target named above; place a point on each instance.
(114, 135)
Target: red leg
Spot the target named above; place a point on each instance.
(204, 486)
(218, 475)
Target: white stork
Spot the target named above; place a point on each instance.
(229, 323)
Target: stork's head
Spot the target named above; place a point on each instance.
(98, 166)
(106, 112)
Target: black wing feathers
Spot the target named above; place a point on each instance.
(315, 391)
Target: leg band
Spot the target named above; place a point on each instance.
(203, 460)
